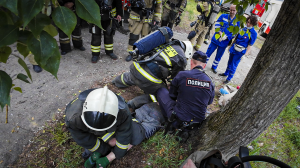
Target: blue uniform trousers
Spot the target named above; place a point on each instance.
(165, 102)
(233, 62)
(220, 51)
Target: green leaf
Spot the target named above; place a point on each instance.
(235, 30)
(18, 89)
(22, 77)
(88, 10)
(24, 36)
(23, 64)
(5, 86)
(5, 18)
(64, 19)
(37, 24)
(46, 52)
(240, 10)
(230, 29)
(222, 23)
(8, 34)
(235, 2)
(242, 32)
(12, 5)
(217, 36)
(30, 8)
(245, 5)
(223, 34)
(4, 53)
(50, 29)
(23, 49)
(217, 29)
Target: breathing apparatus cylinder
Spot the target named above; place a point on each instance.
(214, 14)
(152, 40)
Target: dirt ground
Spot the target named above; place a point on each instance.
(46, 97)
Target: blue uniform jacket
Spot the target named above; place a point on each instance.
(193, 91)
(225, 18)
(244, 40)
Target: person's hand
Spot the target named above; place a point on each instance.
(102, 162)
(179, 13)
(119, 18)
(189, 164)
(69, 5)
(91, 161)
(154, 22)
(220, 33)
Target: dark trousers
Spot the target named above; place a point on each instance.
(96, 38)
(64, 40)
(165, 102)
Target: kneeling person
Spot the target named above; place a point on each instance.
(98, 120)
(190, 93)
(101, 122)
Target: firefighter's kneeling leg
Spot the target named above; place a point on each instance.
(123, 81)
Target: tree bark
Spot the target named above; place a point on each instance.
(269, 86)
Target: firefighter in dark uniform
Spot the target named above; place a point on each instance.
(109, 9)
(150, 76)
(64, 40)
(100, 121)
(189, 95)
(144, 15)
(172, 8)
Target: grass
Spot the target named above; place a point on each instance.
(167, 151)
(282, 139)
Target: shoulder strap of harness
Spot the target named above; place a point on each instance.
(164, 31)
(158, 52)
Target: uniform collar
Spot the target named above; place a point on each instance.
(198, 67)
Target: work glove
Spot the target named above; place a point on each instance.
(102, 162)
(91, 161)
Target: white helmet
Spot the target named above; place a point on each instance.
(100, 109)
(188, 49)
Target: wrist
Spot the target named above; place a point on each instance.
(111, 156)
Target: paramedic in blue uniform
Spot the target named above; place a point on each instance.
(221, 26)
(241, 46)
(190, 92)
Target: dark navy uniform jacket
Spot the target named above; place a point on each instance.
(193, 91)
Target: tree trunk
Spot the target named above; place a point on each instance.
(271, 83)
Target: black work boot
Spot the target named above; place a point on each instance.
(128, 58)
(227, 81)
(63, 52)
(214, 70)
(81, 48)
(37, 68)
(112, 56)
(222, 74)
(95, 58)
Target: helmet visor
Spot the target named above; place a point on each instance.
(98, 120)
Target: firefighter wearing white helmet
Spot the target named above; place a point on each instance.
(152, 74)
(98, 120)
